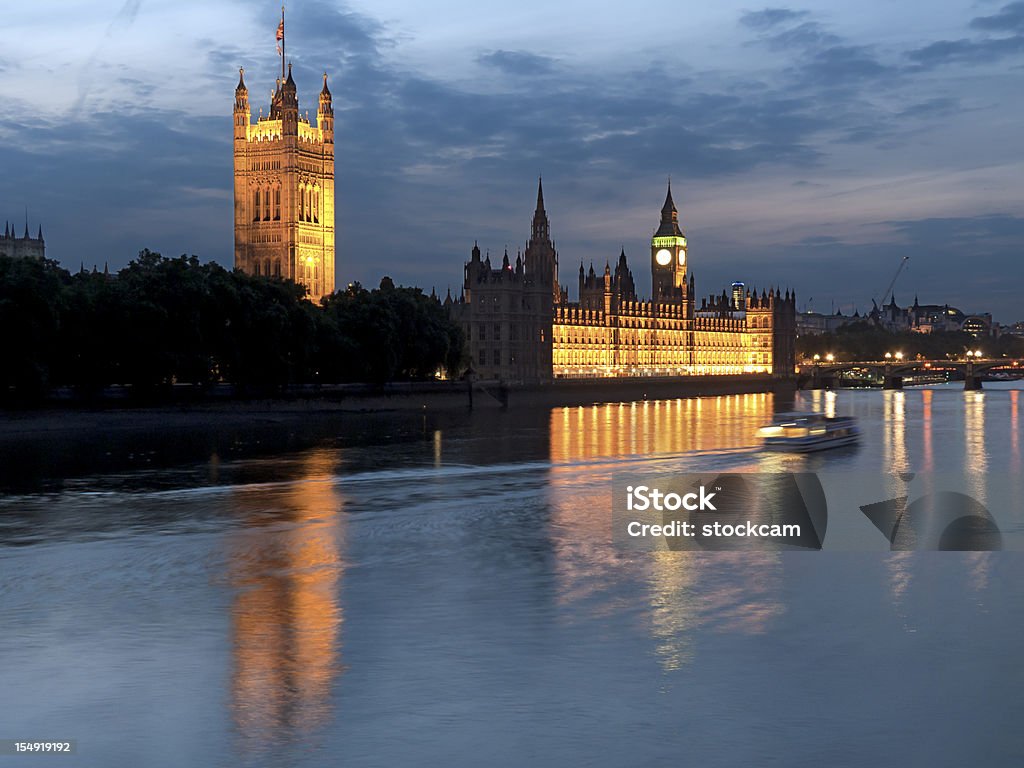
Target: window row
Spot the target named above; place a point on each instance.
(263, 199)
(266, 203)
(266, 268)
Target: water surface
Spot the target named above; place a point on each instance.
(442, 589)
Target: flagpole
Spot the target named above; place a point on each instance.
(282, 45)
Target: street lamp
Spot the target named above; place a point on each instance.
(830, 357)
(977, 353)
(970, 354)
(899, 355)
(817, 357)
(888, 355)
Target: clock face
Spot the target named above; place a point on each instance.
(663, 257)
(682, 258)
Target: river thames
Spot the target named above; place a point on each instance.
(443, 589)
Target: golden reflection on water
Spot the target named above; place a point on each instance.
(1014, 429)
(927, 452)
(617, 430)
(728, 591)
(894, 438)
(976, 460)
(286, 620)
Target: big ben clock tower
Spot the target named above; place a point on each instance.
(668, 255)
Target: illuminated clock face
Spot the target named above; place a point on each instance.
(663, 257)
(682, 258)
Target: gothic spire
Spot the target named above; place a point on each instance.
(669, 217)
(541, 231)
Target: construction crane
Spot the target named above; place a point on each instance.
(903, 263)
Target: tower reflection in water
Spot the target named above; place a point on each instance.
(729, 592)
(286, 568)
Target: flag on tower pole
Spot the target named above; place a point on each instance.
(280, 42)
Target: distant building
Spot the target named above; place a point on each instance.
(23, 247)
(815, 323)
(928, 318)
(979, 326)
(521, 326)
(738, 297)
(284, 189)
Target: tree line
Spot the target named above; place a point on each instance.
(866, 341)
(162, 321)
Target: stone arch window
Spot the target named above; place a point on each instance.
(302, 205)
(266, 267)
(266, 203)
(316, 205)
(256, 205)
(257, 270)
(309, 212)
(277, 268)
(277, 202)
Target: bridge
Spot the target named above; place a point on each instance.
(825, 374)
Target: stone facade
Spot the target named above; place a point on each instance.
(23, 247)
(284, 189)
(521, 328)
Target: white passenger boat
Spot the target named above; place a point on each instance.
(805, 432)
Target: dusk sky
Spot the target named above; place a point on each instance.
(810, 146)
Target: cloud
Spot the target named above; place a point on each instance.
(1009, 19)
(770, 17)
(807, 36)
(967, 51)
(844, 64)
(940, 106)
(522, 63)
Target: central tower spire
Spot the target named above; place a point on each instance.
(669, 217)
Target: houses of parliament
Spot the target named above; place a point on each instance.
(519, 323)
(522, 328)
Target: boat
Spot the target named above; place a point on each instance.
(806, 432)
